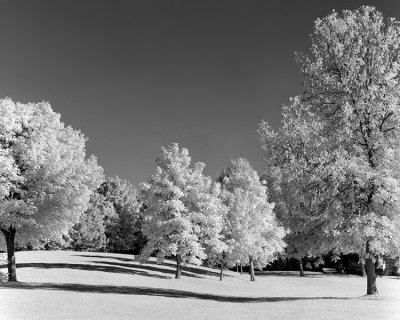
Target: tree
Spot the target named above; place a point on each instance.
(252, 232)
(46, 181)
(181, 218)
(349, 114)
(124, 234)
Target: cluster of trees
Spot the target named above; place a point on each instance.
(50, 189)
(189, 216)
(331, 180)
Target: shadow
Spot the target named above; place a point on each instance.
(144, 291)
(191, 268)
(148, 268)
(105, 257)
(90, 267)
(171, 264)
(294, 274)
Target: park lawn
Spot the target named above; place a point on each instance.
(81, 285)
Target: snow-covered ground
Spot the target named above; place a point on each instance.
(81, 285)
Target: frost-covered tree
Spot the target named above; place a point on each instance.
(46, 179)
(209, 211)
(252, 232)
(124, 234)
(349, 115)
(182, 217)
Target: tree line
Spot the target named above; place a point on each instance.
(331, 181)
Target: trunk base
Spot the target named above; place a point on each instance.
(178, 266)
(10, 241)
(301, 268)
(371, 275)
(251, 266)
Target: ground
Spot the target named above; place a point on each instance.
(81, 285)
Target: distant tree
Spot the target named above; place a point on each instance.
(350, 118)
(124, 234)
(46, 180)
(287, 186)
(252, 231)
(89, 233)
(181, 217)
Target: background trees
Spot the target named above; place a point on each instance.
(89, 233)
(46, 179)
(124, 230)
(112, 220)
(348, 117)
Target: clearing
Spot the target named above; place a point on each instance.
(82, 285)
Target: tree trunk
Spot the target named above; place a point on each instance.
(10, 237)
(237, 268)
(241, 268)
(371, 276)
(221, 274)
(301, 268)
(178, 266)
(251, 266)
(362, 268)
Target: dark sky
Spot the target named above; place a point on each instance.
(137, 75)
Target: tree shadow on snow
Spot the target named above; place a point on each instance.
(105, 257)
(170, 263)
(295, 274)
(160, 292)
(91, 267)
(148, 268)
(308, 274)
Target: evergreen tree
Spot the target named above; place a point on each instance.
(124, 234)
(89, 233)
